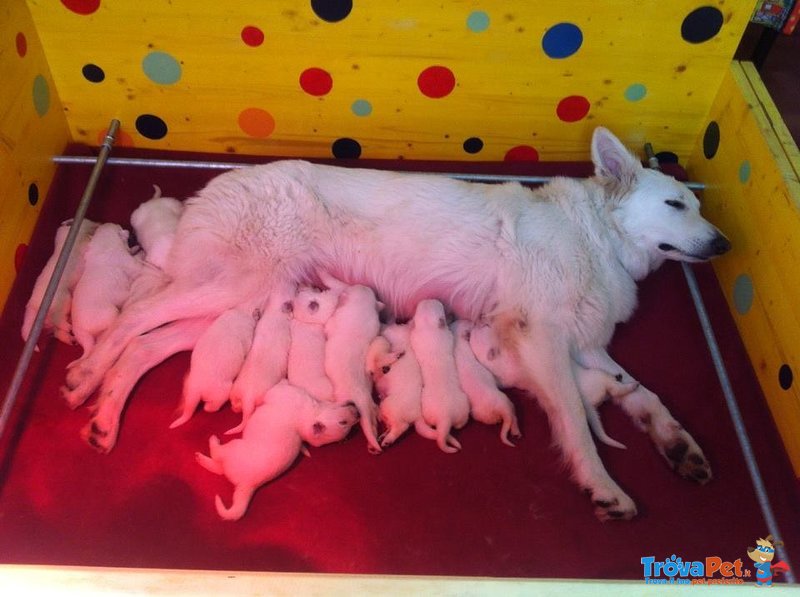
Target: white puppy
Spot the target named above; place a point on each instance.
(267, 361)
(487, 403)
(398, 380)
(154, 223)
(312, 309)
(594, 385)
(216, 361)
(109, 269)
(272, 440)
(348, 334)
(444, 404)
(58, 314)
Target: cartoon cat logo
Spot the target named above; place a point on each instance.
(763, 555)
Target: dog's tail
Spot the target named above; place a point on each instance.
(510, 427)
(241, 500)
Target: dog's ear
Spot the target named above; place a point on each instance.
(611, 158)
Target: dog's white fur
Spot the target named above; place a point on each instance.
(272, 440)
(306, 369)
(348, 334)
(445, 406)
(154, 223)
(217, 359)
(554, 269)
(58, 314)
(486, 402)
(109, 269)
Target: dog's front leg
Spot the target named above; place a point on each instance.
(649, 414)
(142, 354)
(545, 357)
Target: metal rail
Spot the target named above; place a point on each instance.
(38, 323)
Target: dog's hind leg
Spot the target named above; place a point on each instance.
(142, 354)
(544, 353)
(672, 441)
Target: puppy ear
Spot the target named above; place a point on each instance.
(611, 158)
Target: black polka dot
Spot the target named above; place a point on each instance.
(151, 126)
(93, 73)
(473, 145)
(332, 11)
(666, 157)
(701, 24)
(346, 148)
(33, 193)
(711, 140)
(785, 377)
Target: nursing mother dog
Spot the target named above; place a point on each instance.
(551, 269)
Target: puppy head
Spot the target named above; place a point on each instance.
(329, 423)
(314, 306)
(430, 314)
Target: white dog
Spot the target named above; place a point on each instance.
(554, 268)
(486, 402)
(154, 223)
(105, 284)
(445, 406)
(272, 440)
(58, 314)
(216, 360)
(306, 369)
(348, 334)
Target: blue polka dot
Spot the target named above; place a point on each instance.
(41, 95)
(161, 68)
(744, 171)
(361, 108)
(743, 293)
(562, 40)
(478, 21)
(635, 92)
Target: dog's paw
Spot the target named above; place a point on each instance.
(612, 505)
(687, 459)
(74, 398)
(100, 435)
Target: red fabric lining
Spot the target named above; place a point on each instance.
(490, 510)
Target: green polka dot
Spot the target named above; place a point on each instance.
(635, 92)
(744, 171)
(478, 21)
(41, 95)
(161, 68)
(743, 293)
(361, 108)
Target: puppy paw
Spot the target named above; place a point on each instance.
(612, 505)
(73, 397)
(100, 436)
(686, 458)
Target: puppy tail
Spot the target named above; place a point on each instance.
(208, 463)
(424, 429)
(509, 427)
(241, 500)
(596, 425)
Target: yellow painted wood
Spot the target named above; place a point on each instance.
(506, 94)
(762, 218)
(27, 139)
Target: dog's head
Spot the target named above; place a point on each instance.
(329, 423)
(656, 213)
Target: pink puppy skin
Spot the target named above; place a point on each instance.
(216, 361)
(487, 403)
(348, 333)
(154, 223)
(272, 440)
(58, 314)
(109, 270)
(444, 404)
(312, 309)
(267, 361)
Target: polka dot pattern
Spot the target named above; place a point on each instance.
(93, 73)
(743, 294)
(562, 40)
(21, 43)
(151, 127)
(161, 68)
(82, 7)
(41, 95)
(744, 171)
(346, 148)
(436, 82)
(33, 193)
(573, 108)
(785, 377)
(332, 11)
(478, 21)
(711, 140)
(473, 145)
(256, 122)
(252, 36)
(702, 24)
(361, 108)
(635, 92)
(316, 81)
(522, 153)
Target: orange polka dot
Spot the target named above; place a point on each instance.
(256, 122)
(122, 139)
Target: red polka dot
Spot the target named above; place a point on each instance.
(22, 44)
(436, 81)
(573, 108)
(252, 36)
(19, 256)
(316, 81)
(522, 153)
(82, 7)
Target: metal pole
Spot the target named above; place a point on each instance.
(47, 299)
(212, 165)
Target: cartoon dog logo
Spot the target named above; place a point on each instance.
(763, 555)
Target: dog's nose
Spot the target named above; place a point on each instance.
(720, 245)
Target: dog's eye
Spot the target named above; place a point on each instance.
(679, 205)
